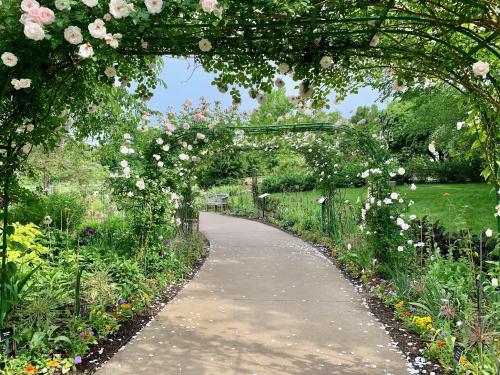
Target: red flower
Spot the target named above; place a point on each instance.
(441, 344)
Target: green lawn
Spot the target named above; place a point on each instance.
(464, 205)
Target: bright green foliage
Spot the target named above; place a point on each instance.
(24, 247)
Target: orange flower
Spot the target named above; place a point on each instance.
(52, 363)
(407, 313)
(31, 370)
(85, 335)
(441, 344)
(125, 306)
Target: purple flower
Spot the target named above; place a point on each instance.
(78, 360)
(89, 231)
(167, 243)
(121, 301)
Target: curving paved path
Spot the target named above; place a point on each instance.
(264, 303)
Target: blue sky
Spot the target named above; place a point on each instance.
(184, 81)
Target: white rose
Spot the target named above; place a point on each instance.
(374, 41)
(30, 128)
(488, 232)
(119, 8)
(279, 83)
(113, 40)
(140, 185)
(86, 50)
(401, 248)
(326, 62)
(33, 31)
(97, 29)
(90, 3)
(208, 6)
(73, 35)
(261, 99)
(401, 171)
(480, 69)
(62, 5)
(205, 45)
(283, 68)
(22, 83)
(110, 72)
(154, 6)
(9, 59)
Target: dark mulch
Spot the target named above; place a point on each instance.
(128, 329)
(409, 343)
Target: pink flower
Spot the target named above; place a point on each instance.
(46, 16)
(34, 31)
(27, 5)
(34, 14)
(25, 18)
(198, 117)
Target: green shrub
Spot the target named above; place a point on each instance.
(65, 209)
(287, 182)
(421, 169)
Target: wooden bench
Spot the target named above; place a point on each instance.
(217, 201)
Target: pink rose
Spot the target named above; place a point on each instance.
(34, 14)
(198, 117)
(46, 16)
(25, 18)
(27, 5)
(34, 31)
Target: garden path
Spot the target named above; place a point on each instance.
(264, 303)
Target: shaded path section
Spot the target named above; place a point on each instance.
(264, 303)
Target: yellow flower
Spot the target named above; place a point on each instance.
(463, 359)
(107, 328)
(399, 304)
(52, 363)
(145, 295)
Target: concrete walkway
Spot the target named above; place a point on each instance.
(264, 303)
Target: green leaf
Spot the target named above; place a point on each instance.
(10, 230)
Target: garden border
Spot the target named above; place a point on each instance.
(409, 343)
(131, 327)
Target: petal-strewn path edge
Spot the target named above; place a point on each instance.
(265, 302)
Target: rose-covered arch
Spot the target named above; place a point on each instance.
(61, 59)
